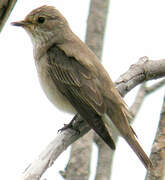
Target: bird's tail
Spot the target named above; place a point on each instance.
(120, 115)
(131, 140)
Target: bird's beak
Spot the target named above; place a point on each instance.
(20, 23)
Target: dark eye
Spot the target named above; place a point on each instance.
(41, 20)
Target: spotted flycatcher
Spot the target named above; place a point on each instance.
(73, 78)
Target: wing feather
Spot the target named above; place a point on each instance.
(75, 80)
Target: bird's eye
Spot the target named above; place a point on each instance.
(41, 20)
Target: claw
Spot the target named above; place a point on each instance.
(69, 126)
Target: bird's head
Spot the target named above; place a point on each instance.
(45, 24)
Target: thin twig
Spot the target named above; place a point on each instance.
(138, 100)
(155, 86)
(142, 93)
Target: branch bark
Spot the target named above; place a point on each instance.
(6, 6)
(158, 153)
(143, 70)
(126, 82)
(105, 158)
(142, 93)
(79, 162)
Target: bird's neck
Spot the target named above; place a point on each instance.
(40, 47)
(39, 51)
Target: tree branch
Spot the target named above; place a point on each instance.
(154, 87)
(138, 101)
(158, 153)
(142, 93)
(144, 70)
(134, 76)
(79, 162)
(105, 158)
(6, 6)
(35, 170)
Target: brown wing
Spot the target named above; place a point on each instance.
(76, 82)
(79, 86)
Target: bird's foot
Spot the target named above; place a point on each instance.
(70, 126)
(66, 126)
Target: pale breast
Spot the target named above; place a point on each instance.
(50, 89)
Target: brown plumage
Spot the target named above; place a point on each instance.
(74, 80)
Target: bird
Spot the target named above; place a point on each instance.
(73, 78)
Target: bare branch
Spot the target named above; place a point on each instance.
(54, 149)
(142, 93)
(78, 166)
(155, 86)
(144, 70)
(96, 25)
(105, 158)
(158, 152)
(138, 100)
(6, 6)
(127, 81)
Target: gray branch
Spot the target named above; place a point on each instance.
(143, 92)
(144, 70)
(6, 6)
(158, 152)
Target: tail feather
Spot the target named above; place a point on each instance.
(131, 140)
(120, 115)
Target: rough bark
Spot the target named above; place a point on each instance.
(142, 71)
(96, 25)
(105, 158)
(6, 6)
(79, 162)
(158, 150)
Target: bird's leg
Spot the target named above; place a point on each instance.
(71, 125)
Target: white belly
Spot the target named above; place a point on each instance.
(51, 91)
